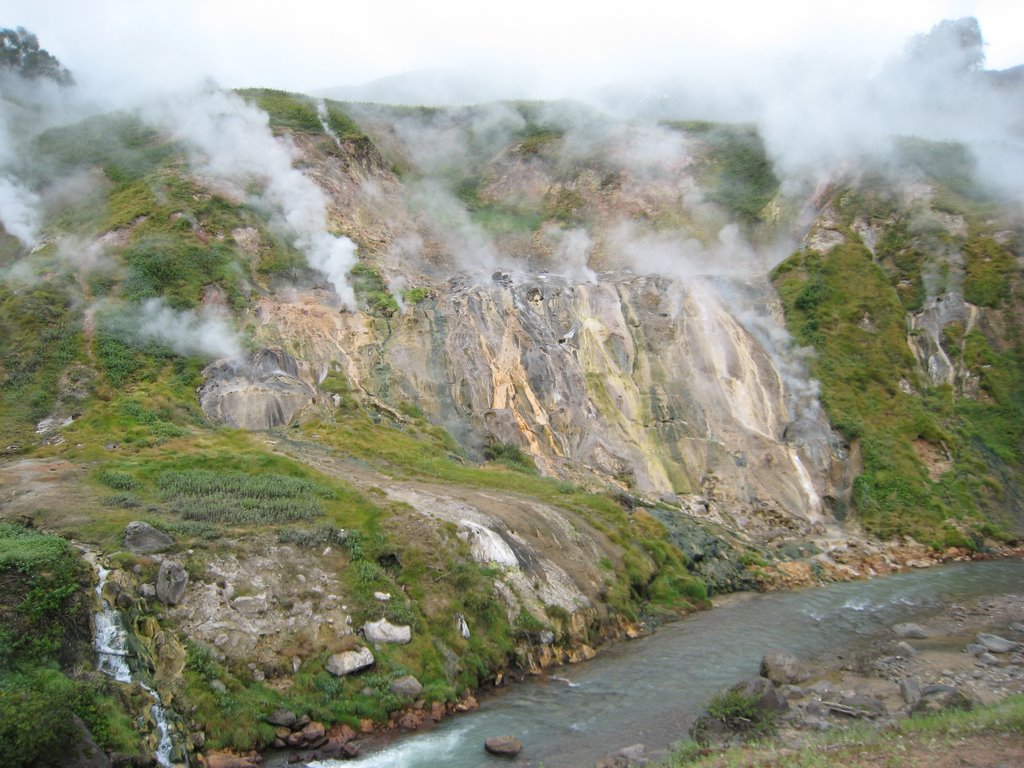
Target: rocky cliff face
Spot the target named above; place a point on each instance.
(673, 387)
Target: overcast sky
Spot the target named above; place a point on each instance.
(545, 48)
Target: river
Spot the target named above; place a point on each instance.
(650, 690)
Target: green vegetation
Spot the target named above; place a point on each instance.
(741, 713)
(653, 575)
(293, 111)
(236, 497)
(40, 336)
(511, 456)
(371, 290)
(737, 169)
(923, 738)
(120, 144)
(44, 626)
(298, 112)
(851, 309)
(20, 54)
(989, 270)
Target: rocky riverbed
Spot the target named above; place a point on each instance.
(967, 653)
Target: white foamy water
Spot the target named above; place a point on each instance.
(111, 646)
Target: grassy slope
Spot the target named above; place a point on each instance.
(150, 453)
(44, 628)
(851, 308)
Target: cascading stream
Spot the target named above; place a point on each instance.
(111, 645)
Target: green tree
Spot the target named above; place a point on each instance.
(20, 53)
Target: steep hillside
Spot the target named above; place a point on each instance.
(513, 379)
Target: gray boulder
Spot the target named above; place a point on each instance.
(997, 644)
(407, 686)
(911, 691)
(282, 717)
(624, 758)
(908, 630)
(783, 668)
(347, 662)
(936, 698)
(906, 650)
(384, 631)
(142, 538)
(863, 703)
(171, 581)
(268, 390)
(503, 746)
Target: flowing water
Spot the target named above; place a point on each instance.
(650, 690)
(111, 645)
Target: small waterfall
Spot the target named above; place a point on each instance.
(111, 645)
(111, 640)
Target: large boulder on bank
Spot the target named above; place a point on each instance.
(384, 631)
(624, 758)
(407, 686)
(347, 662)
(997, 644)
(171, 581)
(284, 718)
(142, 538)
(267, 390)
(937, 698)
(783, 668)
(908, 630)
(503, 746)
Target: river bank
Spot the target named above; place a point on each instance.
(963, 656)
(651, 690)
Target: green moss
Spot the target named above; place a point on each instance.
(989, 266)
(40, 336)
(737, 168)
(293, 111)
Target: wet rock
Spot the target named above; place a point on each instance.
(1017, 627)
(407, 686)
(783, 668)
(336, 749)
(635, 754)
(142, 538)
(975, 649)
(232, 760)
(384, 631)
(997, 644)
(347, 662)
(171, 581)
(462, 626)
(503, 746)
(987, 659)
(282, 717)
(908, 630)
